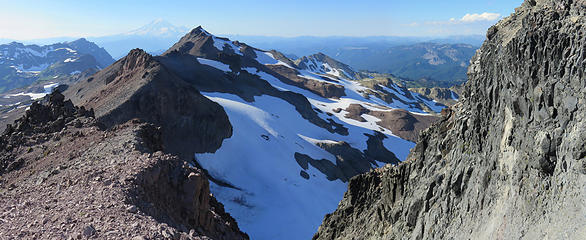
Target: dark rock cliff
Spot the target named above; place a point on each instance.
(509, 162)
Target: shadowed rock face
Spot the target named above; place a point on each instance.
(138, 86)
(181, 196)
(508, 162)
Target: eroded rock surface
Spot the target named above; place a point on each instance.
(509, 162)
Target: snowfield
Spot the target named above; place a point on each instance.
(258, 161)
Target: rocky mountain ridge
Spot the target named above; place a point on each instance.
(508, 162)
(138, 86)
(84, 182)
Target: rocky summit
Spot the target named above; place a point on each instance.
(508, 161)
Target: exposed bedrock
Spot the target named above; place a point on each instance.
(509, 162)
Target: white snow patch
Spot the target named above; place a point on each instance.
(67, 49)
(454, 96)
(251, 70)
(213, 63)
(34, 96)
(267, 58)
(33, 69)
(220, 44)
(316, 141)
(49, 87)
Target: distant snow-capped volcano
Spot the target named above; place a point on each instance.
(153, 37)
(159, 28)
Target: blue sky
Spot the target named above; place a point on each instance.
(26, 19)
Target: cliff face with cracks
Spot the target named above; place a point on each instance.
(509, 162)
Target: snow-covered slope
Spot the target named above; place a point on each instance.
(296, 136)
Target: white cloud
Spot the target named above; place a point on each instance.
(475, 17)
(469, 18)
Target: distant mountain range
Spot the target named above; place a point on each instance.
(425, 64)
(21, 65)
(154, 37)
(425, 61)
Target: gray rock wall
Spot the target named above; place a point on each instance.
(509, 162)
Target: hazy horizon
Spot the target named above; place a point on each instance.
(328, 18)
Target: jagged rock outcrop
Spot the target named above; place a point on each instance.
(63, 177)
(509, 162)
(37, 126)
(174, 192)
